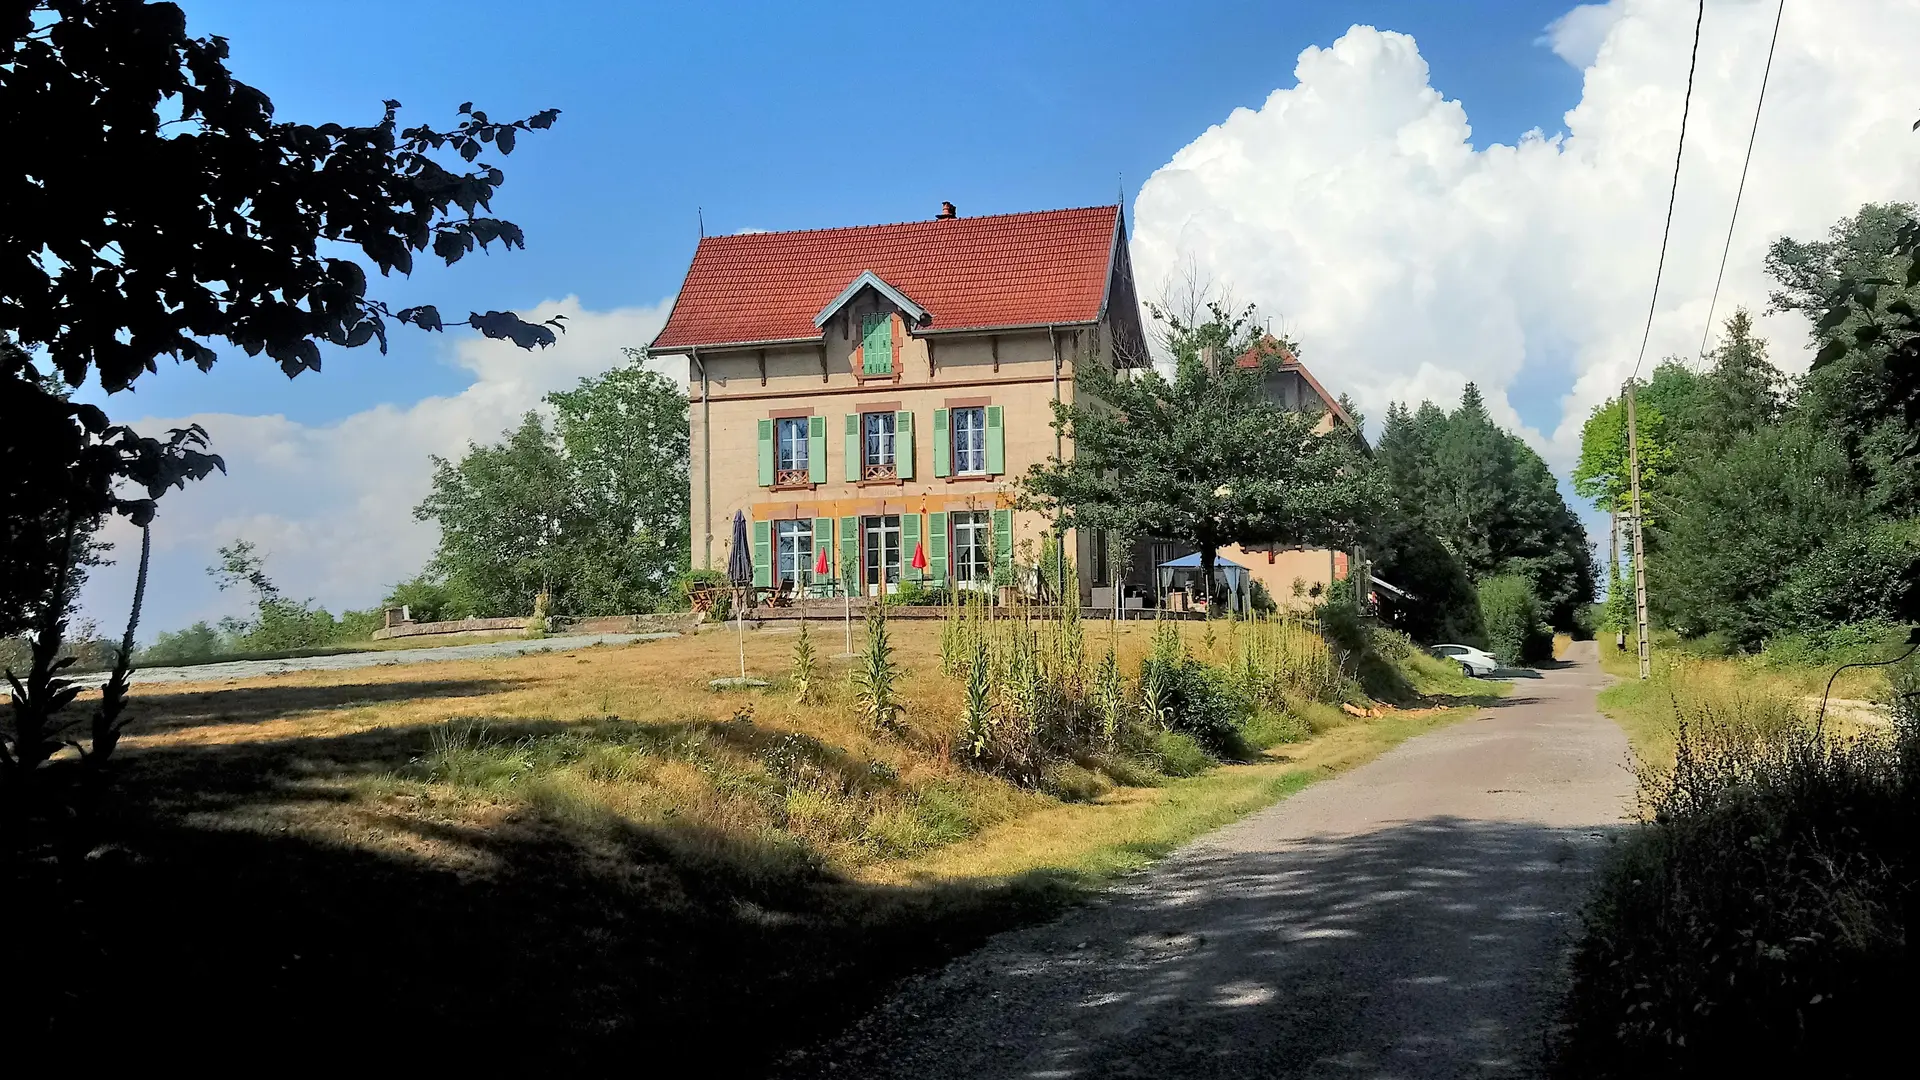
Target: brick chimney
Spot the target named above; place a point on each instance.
(947, 212)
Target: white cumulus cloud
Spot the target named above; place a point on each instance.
(1352, 205)
(331, 505)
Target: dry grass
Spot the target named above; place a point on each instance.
(1684, 684)
(599, 847)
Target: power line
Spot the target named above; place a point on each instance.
(1643, 624)
(1686, 106)
(1765, 73)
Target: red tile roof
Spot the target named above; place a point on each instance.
(969, 273)
(1270, 346)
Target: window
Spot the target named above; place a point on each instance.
(877, 458)
(876, 345)
(1102, 562)
(972, 547)
(790, 451)
(793, 551)
(969, 442)
(883, 553)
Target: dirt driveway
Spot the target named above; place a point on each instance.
(1404, 920)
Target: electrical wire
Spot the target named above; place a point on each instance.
(1913, 639)
(1765, 74)
(1686, 106)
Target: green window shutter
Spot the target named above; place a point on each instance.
(876, 345)
(853, 447)
(937, 546)
(817, 449)
(909, 541)
(766, 453)
(1003, 541)
(942, 444)
(903, 444)
(763, 553)
(996, 441)
(849, 569)
(822, 539)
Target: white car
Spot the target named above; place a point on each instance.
(1475, 663)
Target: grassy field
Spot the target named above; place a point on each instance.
(589, 856)
(1685, 682)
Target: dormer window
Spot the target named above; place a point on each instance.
(876, 344)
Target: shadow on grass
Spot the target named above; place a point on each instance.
(160, 712)
(588, 943)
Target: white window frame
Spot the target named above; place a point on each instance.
(790, 443)
(969, 452)
(793, 551)
(971, 562)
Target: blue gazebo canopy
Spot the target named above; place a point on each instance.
(1229, 573)
(1192, 562)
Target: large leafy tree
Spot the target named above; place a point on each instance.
(1487, 500)
(156, 207)
(1203, 458)
(591, 509)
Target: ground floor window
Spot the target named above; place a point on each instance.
(793, 551)
(883, 553)
(972, 547)
(1102, 558)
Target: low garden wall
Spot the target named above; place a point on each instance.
(679, 622)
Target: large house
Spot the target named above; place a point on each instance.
(878, 389)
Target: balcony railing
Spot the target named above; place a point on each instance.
(884, 471)
(792, 478)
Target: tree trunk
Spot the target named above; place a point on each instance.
(1207, 552)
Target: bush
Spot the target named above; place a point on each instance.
(1515, 631)
(432, 599)
(1198, 700)
(1758, 923)
(197, 644)
(1868, 574)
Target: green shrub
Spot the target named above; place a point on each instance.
(197, 644)
(1515, 631)
(1865, 574)
(1177, 754)
(1759, 922)
(1197, 700)
(429, 598)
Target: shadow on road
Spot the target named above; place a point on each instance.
(1412, 951)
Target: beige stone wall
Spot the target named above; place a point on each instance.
(930, 373)
(1309, 566)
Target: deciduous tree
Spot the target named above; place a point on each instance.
(1204, 458)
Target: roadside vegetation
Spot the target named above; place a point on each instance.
(598, 842)
(1759, 919)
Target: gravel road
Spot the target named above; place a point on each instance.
(1407, 919)
(251, 669)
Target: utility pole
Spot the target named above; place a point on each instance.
(1639, 542)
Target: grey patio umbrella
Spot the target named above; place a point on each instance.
(740, 573)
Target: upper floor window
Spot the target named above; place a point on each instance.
(969, 441)
(876, 345)
(877, 456)
(790, 450)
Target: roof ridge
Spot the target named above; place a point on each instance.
(915, 221)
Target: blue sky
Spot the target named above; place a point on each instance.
(756, 113)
